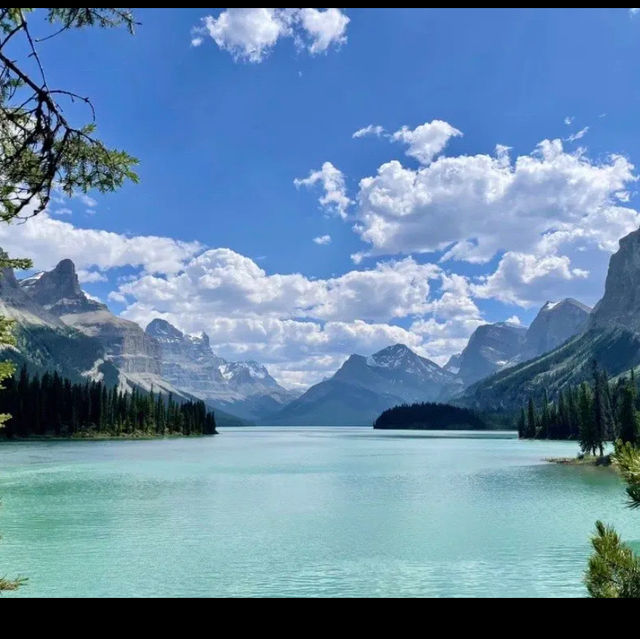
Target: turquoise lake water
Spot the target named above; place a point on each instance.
(303, 512)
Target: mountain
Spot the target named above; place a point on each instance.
(244, 388)
(554, 324)
(59, 327)
(44, 342)
(453, 364)
(365, 386)
(611, 336)
(126, 346)
(490, 348)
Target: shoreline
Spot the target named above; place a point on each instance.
(585, 460)
(91, 437)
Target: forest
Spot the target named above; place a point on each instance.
(52, 406)
(430, 416)
(591, 413)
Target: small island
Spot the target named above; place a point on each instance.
(430, 416)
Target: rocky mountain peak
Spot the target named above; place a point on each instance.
(161, 329)
(59, 290)
(490, 347)
(620, 305)
(554, 324)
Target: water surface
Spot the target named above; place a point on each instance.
(303, 512)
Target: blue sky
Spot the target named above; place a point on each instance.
(221, 140)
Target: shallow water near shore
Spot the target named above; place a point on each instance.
(303, 512)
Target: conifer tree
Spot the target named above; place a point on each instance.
(532, 421)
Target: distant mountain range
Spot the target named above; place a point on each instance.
(62, 328)
(610, 335)
(245, 389)
(365, 386)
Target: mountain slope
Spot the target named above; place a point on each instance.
(365, 386)
(611, 337)
(61, 328)
(554, 324)
(244, 388)
(44, 342)
(490, 348)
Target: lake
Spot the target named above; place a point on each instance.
(303, 512)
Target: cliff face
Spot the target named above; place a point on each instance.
(555, 323)
(244, 388)
(611, 336)
(125, 344)
(490, 348)
(620, 304)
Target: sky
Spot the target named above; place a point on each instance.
(319, 182)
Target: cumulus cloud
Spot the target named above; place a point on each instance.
(426, 140)
(476, 206)
(569, 120)
(47, 240)
(221, 282)
(335, 199)
(323, 28)
(322, 240)
(370, 130)
(294, 324)
(527, 280)
(250, 34)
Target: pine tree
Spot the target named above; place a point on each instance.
(522, 424)
(628, 416)
(545, 417)
(532, 420)
(588, 440)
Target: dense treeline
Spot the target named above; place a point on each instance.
(52, 406)
(429, 416)
(591, 413)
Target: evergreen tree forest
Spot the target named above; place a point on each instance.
(430, 416)
(51, 406)
(592, 413)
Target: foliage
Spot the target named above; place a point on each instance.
(40, 149)
(429, 416)
(591, 413)
(52, 405)
(614, 571)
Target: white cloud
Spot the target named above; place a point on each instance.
(372, 129)
(578, 135)
(426, 140)
(477, 206)
(47, 240)
(322, 240)
(569, 120)
(324, 28)
(250, 34)
(87, 277)
(335, 197)
(527, 280)
(223, 283)
(633, 12)
(514, 319)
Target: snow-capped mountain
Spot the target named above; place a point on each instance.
(244, 388)
(554, 324)
(365, 386)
